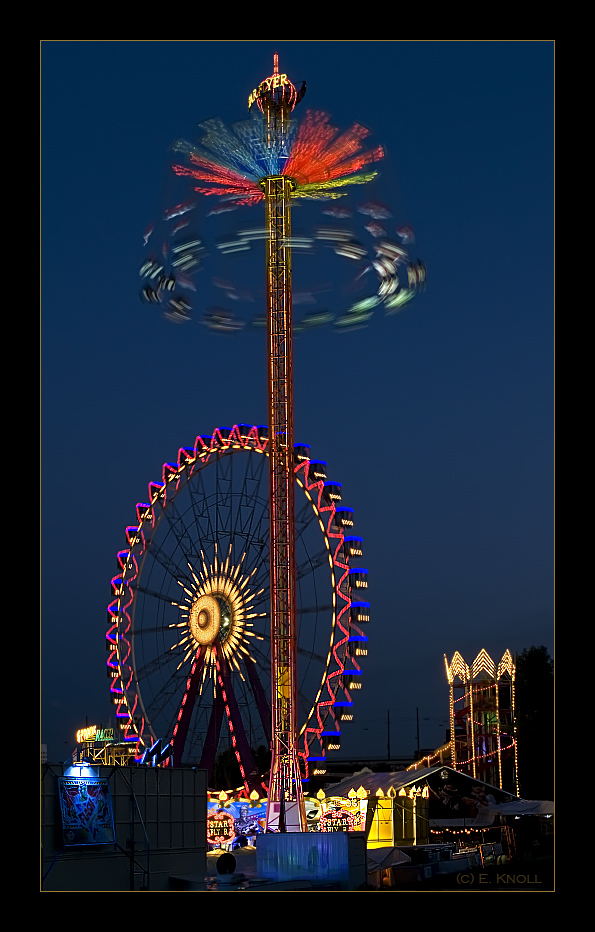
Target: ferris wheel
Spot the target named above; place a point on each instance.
(188, 640)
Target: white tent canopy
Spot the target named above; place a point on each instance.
(517, 807)
(382, 858)
(372, 782)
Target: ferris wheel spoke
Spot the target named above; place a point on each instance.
(180, 530)
(260, 579)
(154, 595)
(223, 487)
(305, 527)
(245, 517)
(304, 704)
(311, 655)
(158, 716)
(304, 516)
(202, 504)
(161, 663)
(198, 498)
(152, 665)
(168, 697)
(190, 535)
(314, 609)
(175, 571)
(312, 564)
(257, 654)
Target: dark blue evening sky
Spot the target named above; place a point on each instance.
(437, 420)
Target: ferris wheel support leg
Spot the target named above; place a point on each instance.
(285, 811)
(260, 699)
(241, 745)
(185, 714)
(209, 751)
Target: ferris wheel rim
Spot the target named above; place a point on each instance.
(225, 441)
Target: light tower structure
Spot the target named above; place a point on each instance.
(276, 97)
(482, 739)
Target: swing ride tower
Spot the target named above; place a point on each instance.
(276, 97)
(268, 159)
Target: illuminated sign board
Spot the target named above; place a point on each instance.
(220, 827)
(337, 820)
(269, 84)
(93, 733)
(340, 814)
(86, 810)
(86, 734)
(231, 820)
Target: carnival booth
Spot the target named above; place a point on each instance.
(413, 807)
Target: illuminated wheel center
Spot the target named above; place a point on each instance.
(205, 620)
(217, 612)
(227, 619)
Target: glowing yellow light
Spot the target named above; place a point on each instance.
(86, 734)
(313, 190)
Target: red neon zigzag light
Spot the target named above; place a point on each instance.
(340, 537)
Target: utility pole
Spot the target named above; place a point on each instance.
(388, 734)
(417, 720)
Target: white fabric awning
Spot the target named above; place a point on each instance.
(380, 859)
(516, 807)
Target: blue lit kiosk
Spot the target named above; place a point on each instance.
(120, 827)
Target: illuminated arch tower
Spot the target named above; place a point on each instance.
(482, 740)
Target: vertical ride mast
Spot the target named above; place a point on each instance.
(276, 97)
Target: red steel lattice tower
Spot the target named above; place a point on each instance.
(277, 97)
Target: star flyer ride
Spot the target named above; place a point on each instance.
(269, 158)
(301, 169)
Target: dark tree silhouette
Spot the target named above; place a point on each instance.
(534, 704)
(226, 771)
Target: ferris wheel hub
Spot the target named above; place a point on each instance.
(205, 620)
